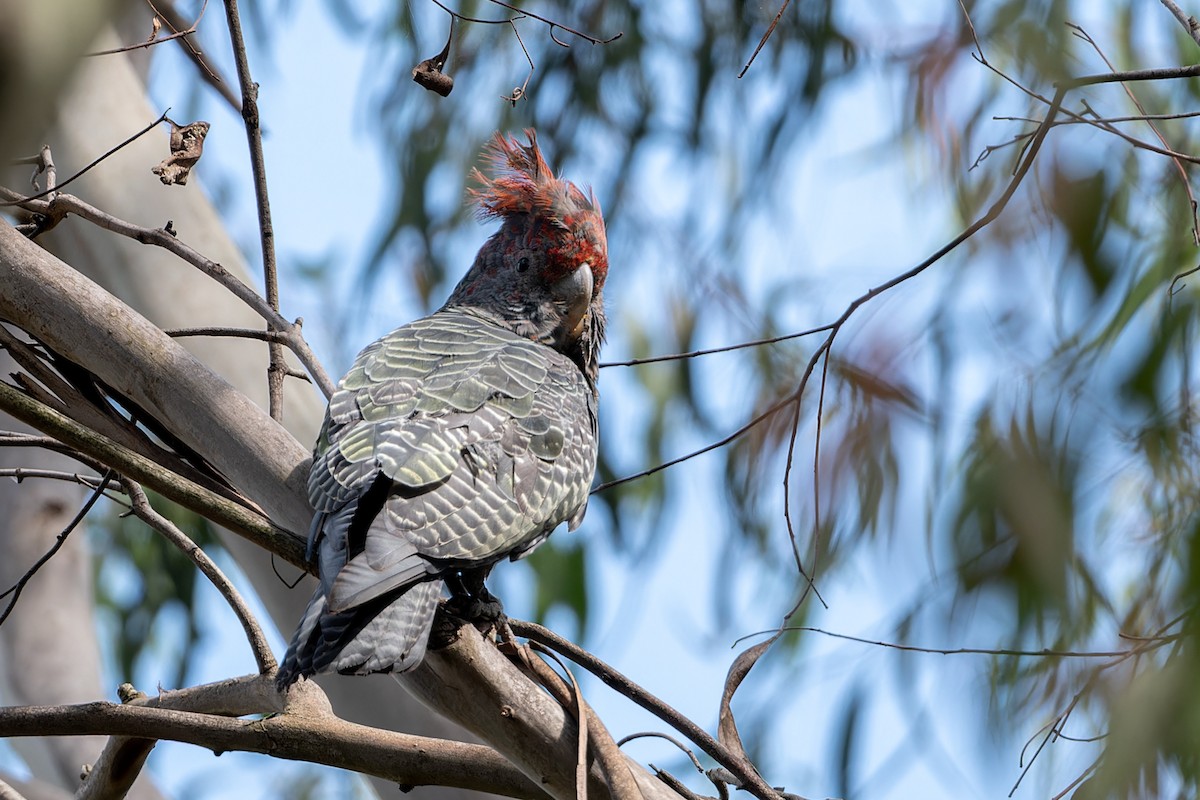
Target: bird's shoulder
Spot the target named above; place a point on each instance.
(420, 397)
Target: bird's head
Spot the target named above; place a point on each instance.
(542, 274)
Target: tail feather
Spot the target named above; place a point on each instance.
(386, 635)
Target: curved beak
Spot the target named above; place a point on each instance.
(574, 292)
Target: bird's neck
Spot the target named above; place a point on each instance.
(583, 349)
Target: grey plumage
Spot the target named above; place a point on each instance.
(474, 434)
(463, 438)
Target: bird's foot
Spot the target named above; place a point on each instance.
(481, 609)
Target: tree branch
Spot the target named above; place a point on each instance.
(254, 634)
(64, 204)
(473, 684)
(87, 325)
(320, 739)
(258, 167)
(627, 688)
(224, 512)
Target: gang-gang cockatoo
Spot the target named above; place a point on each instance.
(463, 438)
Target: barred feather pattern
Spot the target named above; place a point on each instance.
(451, 443)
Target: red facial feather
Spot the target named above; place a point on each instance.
(524, 192)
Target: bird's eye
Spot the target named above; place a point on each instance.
(523, 264)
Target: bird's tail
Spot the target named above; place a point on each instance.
(387, 634)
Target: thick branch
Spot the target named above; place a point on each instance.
(324, 739)
(79, 319)
(473, 684)
(224, 512)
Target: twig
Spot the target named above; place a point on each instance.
(581, 719)
(521, 14)
(277, 368)
(19, 586)
(269, 335)
(1077, 120)
(1171, 290)
(675, 784)
(171, 16)
(20, 474)
(254, 635)
(1176, 159)
(767, 35)
(726, 349)
(64, 204)
(45, 164)
(51, 189)
(154, 38)
(979, 651)
(519, 91)
(656, 735)
(552, 25)
(234, 516)
(621, 783)
(1190, 24)
(1054, 728)
(623, 685)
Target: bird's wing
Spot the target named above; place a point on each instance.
(482, 441)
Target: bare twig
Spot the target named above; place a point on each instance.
(767, 35)
(64, 204)
(45, 165)
(624, 686)
(621, 782)
(1176, 159)
(154, 37)
(980, 651)
(170, 15)
(726, 349)
(1190, 24)
(1171, 290)
(171, 532)
(519, 92)
(521, 14)
(20, 474)
(675, 784)
(656, 735)
(552, 25)
(51, 189)
(16, 589)
(277, 369)
(236, 333)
